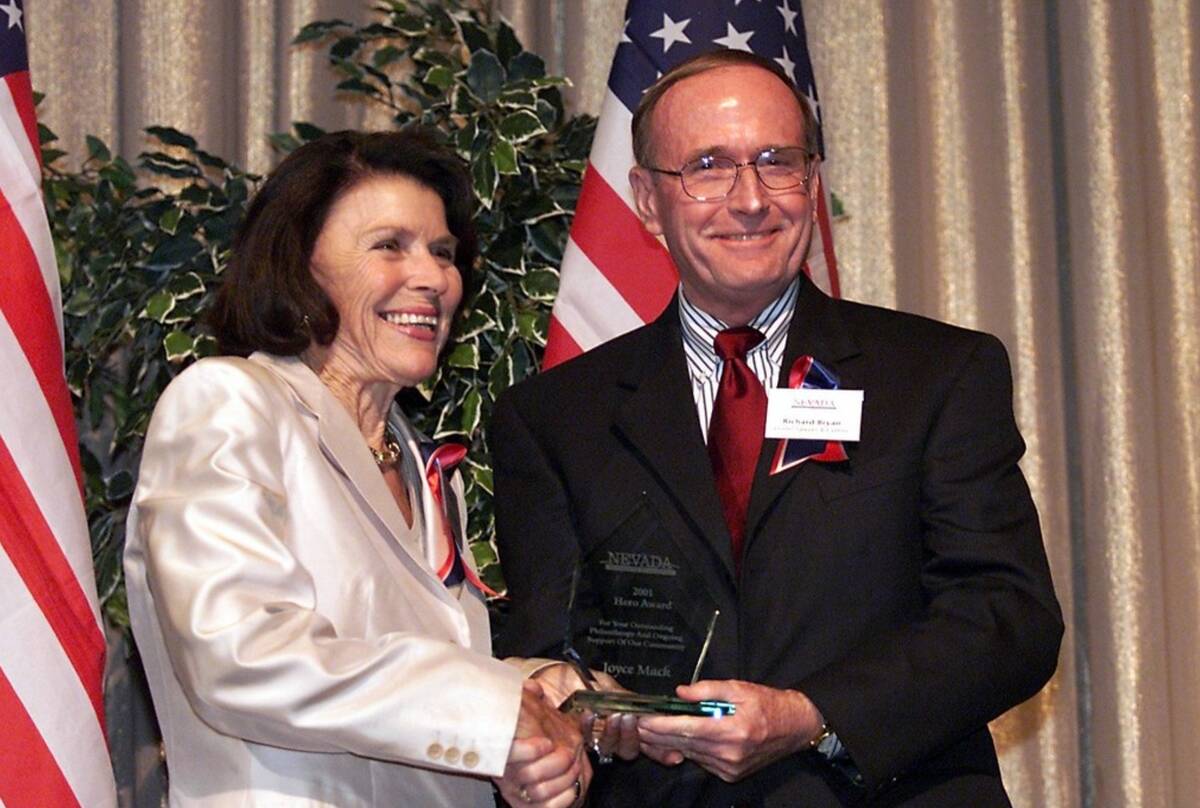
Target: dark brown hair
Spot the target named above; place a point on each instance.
(269, 300)
(702, 63)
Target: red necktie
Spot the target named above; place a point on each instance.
(735, 434)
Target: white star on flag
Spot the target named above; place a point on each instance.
(811, 95)
(14, 14)
(789, 16)
(672, 32)
(735, 40)
(787, 64)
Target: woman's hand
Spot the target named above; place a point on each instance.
(546, 763)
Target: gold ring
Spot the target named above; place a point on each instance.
(524, 794)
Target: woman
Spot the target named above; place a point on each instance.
(312, 630)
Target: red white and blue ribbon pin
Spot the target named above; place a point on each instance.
(810, 374)
(439, 463)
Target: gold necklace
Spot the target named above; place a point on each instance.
(390, 452)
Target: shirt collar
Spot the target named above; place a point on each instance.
(700, 329)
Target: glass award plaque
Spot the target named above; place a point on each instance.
(636, 614)
(605, 703)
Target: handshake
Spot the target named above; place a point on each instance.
(547, 763)
(737, 728)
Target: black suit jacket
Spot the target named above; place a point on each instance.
(905, 591)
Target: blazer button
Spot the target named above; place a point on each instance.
(471, 760)
(452, 754)
(434, 751)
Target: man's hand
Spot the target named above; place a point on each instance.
(614, 735)
(558, 682)
(769, 724)
(609, 736)
(546, 764)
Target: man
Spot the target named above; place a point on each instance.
(879, 602)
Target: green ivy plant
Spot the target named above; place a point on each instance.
(137, 265)
(140, 252)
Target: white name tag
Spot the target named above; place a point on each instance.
(814, 414)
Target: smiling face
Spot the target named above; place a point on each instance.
(385, 258)
(737, 254)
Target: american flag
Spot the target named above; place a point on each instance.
(52, 745)
(615, 275)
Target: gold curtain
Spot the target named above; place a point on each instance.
(226, 73)
(1028, 167)
(223, 72)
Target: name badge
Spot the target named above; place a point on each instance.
(807, 414)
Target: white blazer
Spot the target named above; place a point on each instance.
(299, 649)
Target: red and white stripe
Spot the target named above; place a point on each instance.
(615, 276)
(52, 747)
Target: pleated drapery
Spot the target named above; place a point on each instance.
(1027, 167)
(952, 214)
(226, 73)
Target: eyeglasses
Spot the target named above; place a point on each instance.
(710, 178)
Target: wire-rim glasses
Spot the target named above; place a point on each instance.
(710, 178)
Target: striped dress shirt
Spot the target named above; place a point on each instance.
(704, 366)
(765, 359)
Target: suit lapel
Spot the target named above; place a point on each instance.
(659, 420)
(817, 331)
(343, 446)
